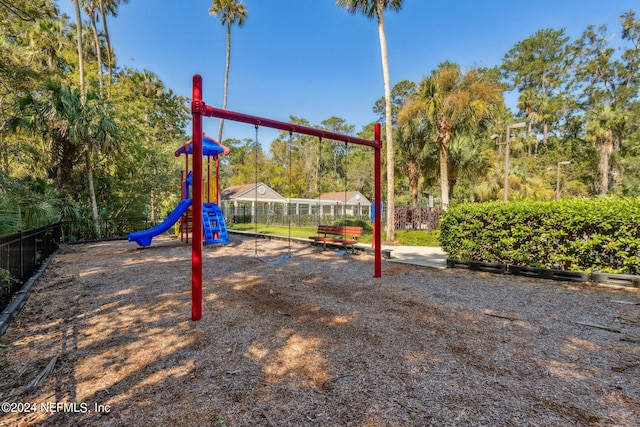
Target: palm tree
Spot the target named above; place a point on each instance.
(528, 102)
(371, 8)
(28, 10)
(83, 99)
(466, 158)
(50, 115)
(149, 84)
(412, 137)
(86, 123)
(47, 36)
(98, 132)
(603, 124)
(230, 12)
(70, 125)
(454, 103)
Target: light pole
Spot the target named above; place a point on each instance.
(497, 138)
(564, 162)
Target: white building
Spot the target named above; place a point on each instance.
(249, 199)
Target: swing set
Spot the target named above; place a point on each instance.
(199, 110)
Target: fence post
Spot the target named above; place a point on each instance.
(22, 273)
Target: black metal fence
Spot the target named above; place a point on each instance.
(104, 229)
(21, 254)
(407, 217)
(279, 216)
(418, 217)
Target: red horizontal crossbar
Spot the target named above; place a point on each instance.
(288, 127)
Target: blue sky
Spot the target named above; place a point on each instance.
(313, 60)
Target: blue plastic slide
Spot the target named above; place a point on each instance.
(143, 238)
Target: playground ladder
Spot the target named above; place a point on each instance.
(213, 223)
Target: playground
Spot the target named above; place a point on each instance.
(283, 333)
(315, 341)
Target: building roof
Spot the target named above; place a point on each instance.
(338, 195)
(236, 190)
(248, 192)
(352, 197)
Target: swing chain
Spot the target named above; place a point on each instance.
(290, 183)
(319, 178)
(255, 205)
(346, 154)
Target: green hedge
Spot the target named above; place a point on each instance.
(575, 234)
(356, 222)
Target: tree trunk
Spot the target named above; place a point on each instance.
(226, 79)
(388, 125)
(65, 151)
(83, 92)
(92, 192)
(3, 144)
(83, 100)
(605, 149)
(413, 172)
(453, 180)
(545, 125)
(152, 209)
(443, 145)
(96, 40)
(108, 40)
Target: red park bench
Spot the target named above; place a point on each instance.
(345, 235)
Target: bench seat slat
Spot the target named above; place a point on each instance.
(340, 230)
(348, 233)
(333, 240)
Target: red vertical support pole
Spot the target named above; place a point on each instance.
(377, 185)
(197, 108)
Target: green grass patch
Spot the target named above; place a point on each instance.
(277, 230)
(418, 238)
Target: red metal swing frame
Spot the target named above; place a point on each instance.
(200, 109)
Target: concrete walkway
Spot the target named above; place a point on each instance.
(426, 256)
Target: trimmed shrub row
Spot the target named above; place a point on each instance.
(601, 235)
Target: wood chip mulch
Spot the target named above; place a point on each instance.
(314, 341)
